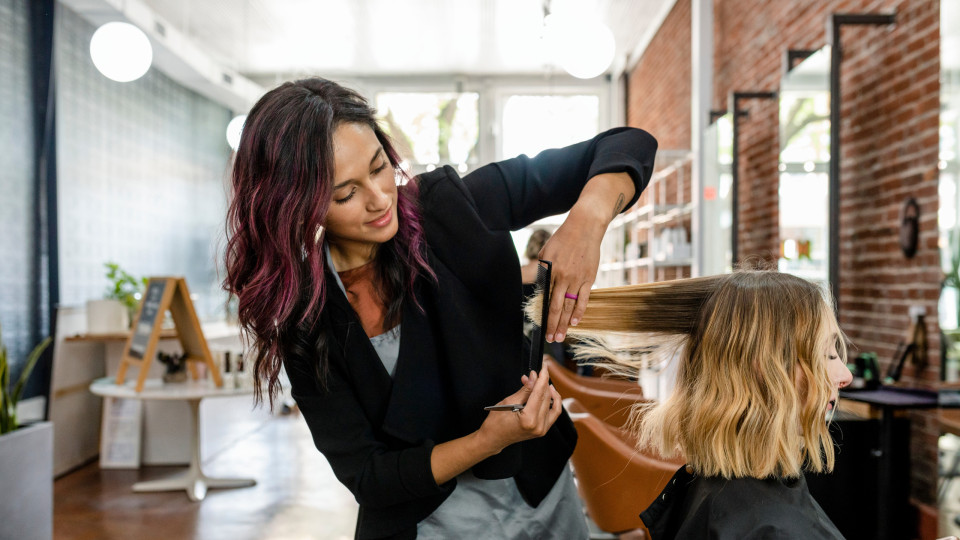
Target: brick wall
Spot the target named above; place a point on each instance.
(659, 101)
(659, 87)
(889, 139)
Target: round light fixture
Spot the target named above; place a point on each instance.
(121, 51)
(234, 129)
(583, 49)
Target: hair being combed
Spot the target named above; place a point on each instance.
(752, 386)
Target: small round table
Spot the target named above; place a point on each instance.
(193, 480)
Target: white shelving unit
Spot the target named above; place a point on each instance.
(633, 250)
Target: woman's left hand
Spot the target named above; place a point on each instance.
(574, 251)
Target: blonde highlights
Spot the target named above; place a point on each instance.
(752, 386)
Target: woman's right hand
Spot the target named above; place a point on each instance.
(541, 409)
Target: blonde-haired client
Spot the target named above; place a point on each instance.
(761, 358)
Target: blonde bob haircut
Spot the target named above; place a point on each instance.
(752, 386)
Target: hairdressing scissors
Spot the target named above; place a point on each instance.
(516, 407)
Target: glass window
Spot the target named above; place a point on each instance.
(949, 224)
(804, 169)
(949, 165)
(532, 123)
(717, 197)
(431, 129)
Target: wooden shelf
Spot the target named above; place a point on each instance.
(668, 204)
(658, 214)
(117, 336)
(672, 262)
(610, 267)
(211, 330)
(631, 215)
(645, 261)
(673, 213)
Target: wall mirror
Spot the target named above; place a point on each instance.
(949, 214)
(804, 168)
(717, 197)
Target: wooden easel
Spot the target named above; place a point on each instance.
(162, 294)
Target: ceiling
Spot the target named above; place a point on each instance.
(264, 38)
(233, 50)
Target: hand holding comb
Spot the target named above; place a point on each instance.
(535, 361)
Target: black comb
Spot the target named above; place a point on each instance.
(536, 336)
(535, 362)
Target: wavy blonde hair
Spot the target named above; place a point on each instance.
(752, 385)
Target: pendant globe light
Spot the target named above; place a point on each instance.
(581, 46)
(121, 51)
(234, 129)
(235, 126)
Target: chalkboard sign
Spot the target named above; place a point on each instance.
(148, 318)
(163, 294)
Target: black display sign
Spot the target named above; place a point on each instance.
(149, 309)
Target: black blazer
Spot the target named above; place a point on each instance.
(463, 351)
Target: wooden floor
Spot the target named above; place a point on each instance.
(296, 496)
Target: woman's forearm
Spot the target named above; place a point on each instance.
(602, 198)
(541, 408)
(575, 249)
(451, 458)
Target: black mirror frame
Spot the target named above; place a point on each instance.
(733, 105)
(834, 24)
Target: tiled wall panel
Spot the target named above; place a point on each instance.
(16, 179)
(141, 175)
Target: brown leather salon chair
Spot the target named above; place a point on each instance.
(608, 399)
(615, 480)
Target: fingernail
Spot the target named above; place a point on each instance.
(549, 337)
(574, 322)
(559, 337)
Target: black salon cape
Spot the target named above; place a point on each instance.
(463, 352)
(738, 509)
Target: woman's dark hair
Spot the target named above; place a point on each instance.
(282, 186)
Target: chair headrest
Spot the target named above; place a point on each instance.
(575, 410)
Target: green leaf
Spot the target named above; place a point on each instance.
(123, 286)
(25, 374)
(4, 368)
(10, 397)
(4, 395)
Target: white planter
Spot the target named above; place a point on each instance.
(107, 317)
(26, 474)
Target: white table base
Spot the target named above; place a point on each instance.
(193, 480)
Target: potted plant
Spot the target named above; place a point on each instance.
(176, 367)
(26, 459)
(115, 311)
(951, 283)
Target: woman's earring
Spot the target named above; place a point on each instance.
(319, 235)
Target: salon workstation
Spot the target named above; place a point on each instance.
(543, 269)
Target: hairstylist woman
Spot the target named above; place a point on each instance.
(394, 309)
